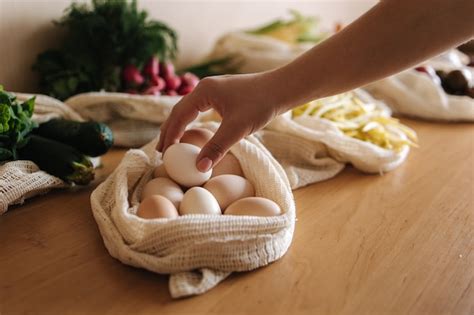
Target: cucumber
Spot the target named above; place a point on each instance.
(58, 159)
(91, 138)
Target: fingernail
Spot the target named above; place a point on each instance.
(204, 165)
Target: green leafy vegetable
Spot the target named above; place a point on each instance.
(15, 124)
(212, 67)
(100, 39)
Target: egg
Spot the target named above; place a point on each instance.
(160, 171)
(256, 206)
(180, 164)
(198, 200)
(164, 187)
(228, 188)
(228, 165)
(197, 136)
(155, 207)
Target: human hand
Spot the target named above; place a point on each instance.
(243, 101)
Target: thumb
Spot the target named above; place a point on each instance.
(214, 150)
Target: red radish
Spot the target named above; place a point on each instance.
(158, 82)
(152, 90)
(185, 89)
(172, 82)
(166, 69)
(131, 75)
(152, 67)
(171, 93)
(189, 79)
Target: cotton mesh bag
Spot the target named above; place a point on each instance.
(313, 148)
(253, 53)
(268, 46)
(415, 94)
(20, 180)
(134, 119)
(198, 251)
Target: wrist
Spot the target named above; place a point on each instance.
(289, 87)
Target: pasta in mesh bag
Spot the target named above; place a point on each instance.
(201, 250)
(348, 128)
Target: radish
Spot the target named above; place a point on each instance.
(152, 67)
(189, 79)
(167, 69)
(185, 89)
(158, 82)
(172, 82)
(131, 75)
(152, 90)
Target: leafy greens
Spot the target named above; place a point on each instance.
(100, 39)
(15, 124)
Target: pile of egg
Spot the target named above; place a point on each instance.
(179, 188)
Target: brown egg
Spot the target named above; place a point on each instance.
(228, 165)
(228, 188)
(196, 136)
(160, 171)
(164, 187)
(256, 206)
(155, 207)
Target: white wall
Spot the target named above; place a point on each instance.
(26, 28)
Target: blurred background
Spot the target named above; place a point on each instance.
(26, 27)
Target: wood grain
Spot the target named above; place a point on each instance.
(401, 243)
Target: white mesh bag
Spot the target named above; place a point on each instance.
(256, 53)
(134, 119)
(305, 161)
(415, 94)
(198, 251)
(20, 180)
(318, 149)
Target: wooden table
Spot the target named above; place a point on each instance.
(401, 243)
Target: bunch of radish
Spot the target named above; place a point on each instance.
(157, 78)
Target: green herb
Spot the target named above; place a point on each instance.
(225, 65)
(15, 124)
(100, 39)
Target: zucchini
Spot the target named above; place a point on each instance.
(58, 159)
(91, 138)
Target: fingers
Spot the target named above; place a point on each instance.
(184, 112)
(224, 138)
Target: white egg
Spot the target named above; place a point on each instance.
(198, 200)
(180, 164)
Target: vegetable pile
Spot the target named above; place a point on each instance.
(158, 78)
(455, 82)
(359, 120)
(59, 147)
(101, 42)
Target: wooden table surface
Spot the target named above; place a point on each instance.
(401, 243)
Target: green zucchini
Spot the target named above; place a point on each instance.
(58, 159)
(91, 138)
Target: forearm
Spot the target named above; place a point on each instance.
(392, 36)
